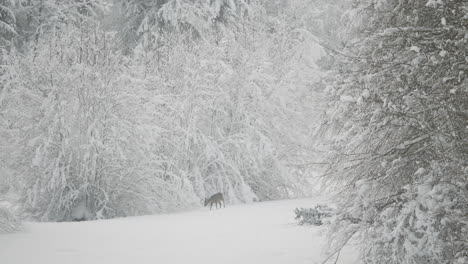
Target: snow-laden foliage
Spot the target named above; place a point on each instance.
(399, 126)
(149, 22)
(7, 21)
(313, 216)
(236, 105)
(9, 218)
(85, 135)
(9, 221)
(97, 134)
(33, 18)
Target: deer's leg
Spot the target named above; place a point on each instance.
(224, 204)
(211, 205)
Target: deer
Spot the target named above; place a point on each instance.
(215, 199)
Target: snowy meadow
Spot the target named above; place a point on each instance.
(234, 131)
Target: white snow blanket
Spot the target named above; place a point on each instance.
(239, 234)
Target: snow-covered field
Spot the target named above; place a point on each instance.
(241, 234)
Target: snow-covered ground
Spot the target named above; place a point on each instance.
(241, 234)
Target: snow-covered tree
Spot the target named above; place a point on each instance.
(9, 221)
(400, 124)
(7, 21)
(87, 147)
(99, 134)
(149, 22)
(254, 85)
(35, 18)
(9, 186)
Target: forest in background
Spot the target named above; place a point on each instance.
(138, 107)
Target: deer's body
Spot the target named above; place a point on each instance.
(215, 199)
